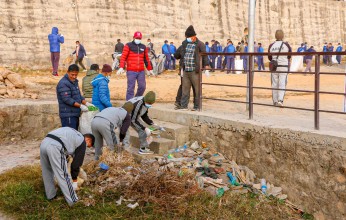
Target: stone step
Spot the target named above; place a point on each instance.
(179, 133)
(139, 157)
(158, 146)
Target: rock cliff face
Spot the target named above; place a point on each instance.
(24, 25)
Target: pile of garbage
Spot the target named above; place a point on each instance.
(182, 172)
(13, 86)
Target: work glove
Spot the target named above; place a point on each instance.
(207, 73)
(84, 108)
(147, 132)
(89, 104)
(120, 71)
(61, 35)
(75, 185)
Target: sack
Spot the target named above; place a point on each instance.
(85, 121)
(273, 65)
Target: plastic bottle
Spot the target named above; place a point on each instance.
(264, 186)
(232, 179)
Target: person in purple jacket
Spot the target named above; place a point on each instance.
(55, 39)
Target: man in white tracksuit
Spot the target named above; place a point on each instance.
(53, 151)
(279, 80)
(106, 121)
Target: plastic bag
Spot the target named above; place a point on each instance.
(297, 63)
(85, 121)
(238, 66)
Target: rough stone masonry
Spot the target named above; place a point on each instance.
(24, 25)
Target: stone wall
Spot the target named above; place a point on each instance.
(27, 122)
(311, 168)
(24, 25)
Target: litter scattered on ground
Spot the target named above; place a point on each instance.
(182, 172)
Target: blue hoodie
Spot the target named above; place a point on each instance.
(55, 40)
(101, 96)
(173, 48)
(339, 49)
(166, 49)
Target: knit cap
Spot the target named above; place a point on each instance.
(190, 32)
(150, 97)
(128, 106)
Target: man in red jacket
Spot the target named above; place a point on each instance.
(135, 55)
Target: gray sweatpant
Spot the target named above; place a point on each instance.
(53, 163)
(142, 138)
(279, 81)
(103, 129)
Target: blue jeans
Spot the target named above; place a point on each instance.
(132, 77)
(230, 63)
(173, 63)
(260, 63)
(167, 61)
(72, 122)
(245, 63)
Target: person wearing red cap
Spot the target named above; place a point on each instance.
(135, 55)
(101, 95)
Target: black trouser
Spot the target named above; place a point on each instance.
(180, 92)
(80, 62)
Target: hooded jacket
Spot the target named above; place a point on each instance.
(87, 88)
(135, 56)
(68, 93)
(101, 96)
(140, 111)
(200, 48)
(166, 49)
(55, 39)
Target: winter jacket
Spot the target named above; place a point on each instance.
(81, 52)
(275, 47)
(309, 57)
(87, 88)
(101, 96)
(68, 93)
(119, 47)
(74, 144)
(172, 48)
(207, 49)
(301, 49)
(339, 49)
(230, 49)
(324, 48)
(118, 117)
(55, 39)
(260, 50)
(140, 111)
(200, 48)
(219, 49)
(135, 56)
(166, 49)
(330, 49)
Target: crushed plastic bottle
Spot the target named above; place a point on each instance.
(232, 179)
(264, 186)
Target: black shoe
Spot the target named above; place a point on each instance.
(176, 104)
(181, 108)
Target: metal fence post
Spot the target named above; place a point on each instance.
(250, 88)
(317, 92)
(200, 83)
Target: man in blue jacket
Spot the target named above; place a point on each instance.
(70, 100)
(173, 49)
(219, 58)
(55, 39)
(80, 54)
(101, 96)
(325, 57)
(230, 58)
(260, 62)
(245, 58)
(338, 57)
(167, 52)
(330, 48)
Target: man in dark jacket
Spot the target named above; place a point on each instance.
(80, 54)
(55, 39)
(190, 63)
(119, 47)
(70, 100)
(54, 148)
(87, 88)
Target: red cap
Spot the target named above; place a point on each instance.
(137, 35)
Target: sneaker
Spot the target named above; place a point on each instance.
(280, 104)
(176, 104)
(194, 109)
(181, 108)
(275, 104)
(145, 151)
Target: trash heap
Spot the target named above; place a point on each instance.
(13, 86)
(182, 172)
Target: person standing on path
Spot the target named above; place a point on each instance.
(119, 47)
(104, 124)
(80, 54)
(166, 50)
(309, 59)
(260, 61)
(173, 50)
(189, 56)
(338, 49)
(279, 80)
(230, 58)
(330, 48)
(325, 57)
(101, 95)
(135, 55)
(70, 100)
(54, 149)
(55, 39)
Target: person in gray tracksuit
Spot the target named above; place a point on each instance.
(53, 152)
(279, 80)
(141, 105)
(106, 121)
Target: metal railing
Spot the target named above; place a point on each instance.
(251, 87)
